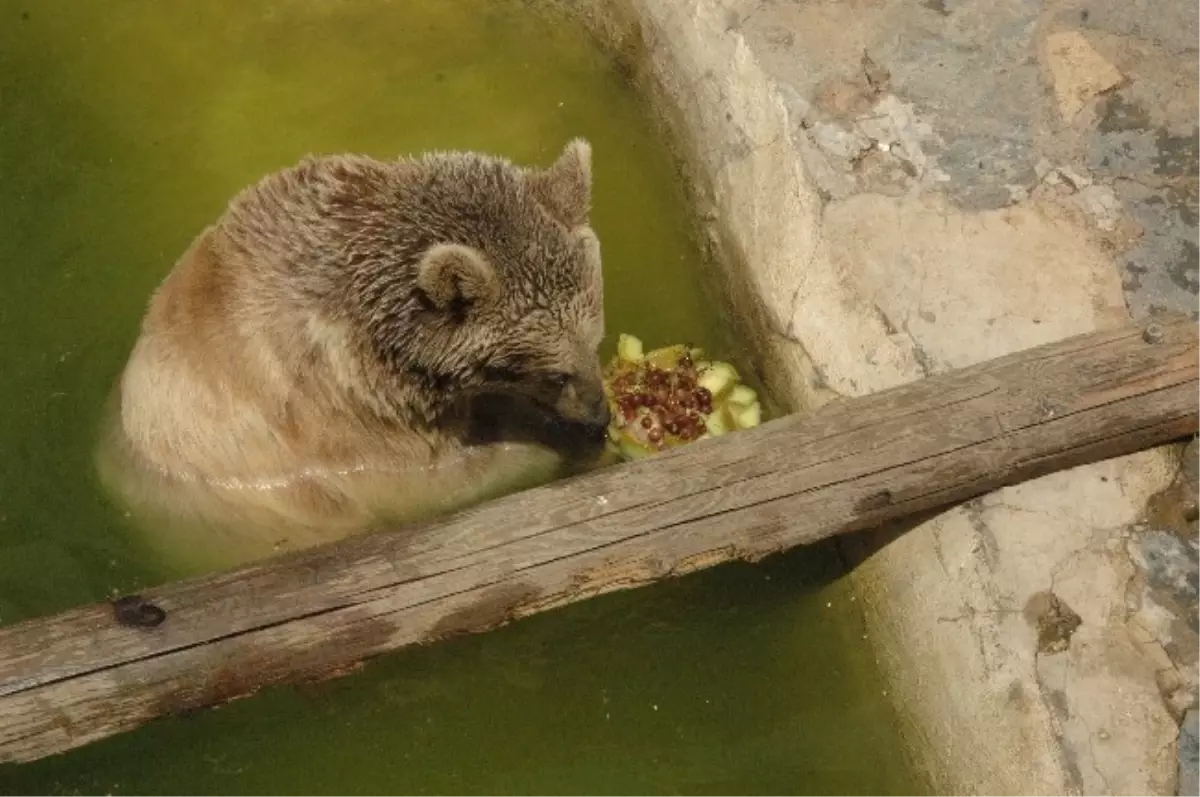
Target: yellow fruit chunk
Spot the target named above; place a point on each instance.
(629, 348)
(718, 378)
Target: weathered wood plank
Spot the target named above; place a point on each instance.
(77, 677)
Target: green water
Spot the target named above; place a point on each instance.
(125, 126)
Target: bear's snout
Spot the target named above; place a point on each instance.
(585, 404)
(602, 417)
(595, 425)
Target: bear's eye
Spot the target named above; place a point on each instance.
(556, 380)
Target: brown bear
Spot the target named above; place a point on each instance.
(356, 341)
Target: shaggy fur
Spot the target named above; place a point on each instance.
(314, 358)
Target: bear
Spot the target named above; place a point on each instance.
(357, 342)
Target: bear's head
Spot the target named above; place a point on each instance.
(499, 288)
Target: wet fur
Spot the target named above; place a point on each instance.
(350, 341)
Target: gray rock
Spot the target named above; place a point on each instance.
(1189, 755)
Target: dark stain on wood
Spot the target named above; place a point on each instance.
(874, 501)
(496, 606)
(246, 667)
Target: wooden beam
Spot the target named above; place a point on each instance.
(80, 676)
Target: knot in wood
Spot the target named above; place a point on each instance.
(1154, 333)
(134, 611)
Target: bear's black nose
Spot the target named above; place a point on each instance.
(602, 415)
(596, 432)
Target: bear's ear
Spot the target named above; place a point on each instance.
(565, 189)
(451, 274)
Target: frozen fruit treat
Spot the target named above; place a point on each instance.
(671, 396)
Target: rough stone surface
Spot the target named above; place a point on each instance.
(903, 188)
(1079, 73)
(1189, 489)
(1189, 755)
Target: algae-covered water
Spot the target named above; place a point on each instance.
(125, 126)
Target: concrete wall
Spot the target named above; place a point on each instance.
(892, 189)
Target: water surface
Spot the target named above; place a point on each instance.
(125, 127)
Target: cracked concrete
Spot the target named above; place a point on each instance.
(892, 189)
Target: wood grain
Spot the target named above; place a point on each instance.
(79, 676)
